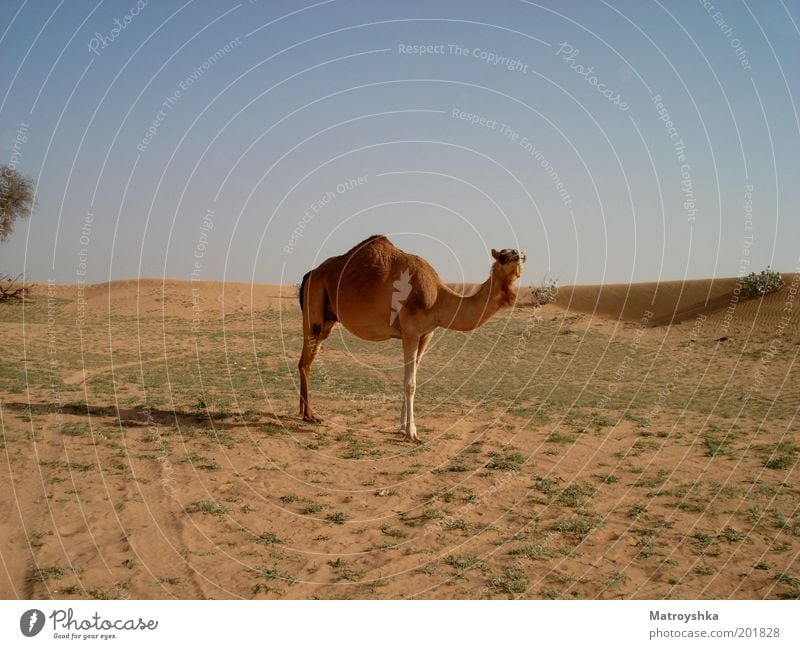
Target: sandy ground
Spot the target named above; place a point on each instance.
(630, 441)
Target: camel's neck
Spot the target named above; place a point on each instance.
(467, 313)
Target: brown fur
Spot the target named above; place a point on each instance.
(378, 292)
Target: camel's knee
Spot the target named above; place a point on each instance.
(310, 348)
(410, 387)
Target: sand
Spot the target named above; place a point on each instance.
(585, 449)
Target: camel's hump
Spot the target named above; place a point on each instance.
(374, 240)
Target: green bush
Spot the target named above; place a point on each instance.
(767, 281)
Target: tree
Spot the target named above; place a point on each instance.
(16, 199)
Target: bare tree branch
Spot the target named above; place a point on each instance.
(10, 288)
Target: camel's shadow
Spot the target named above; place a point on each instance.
(145, 417)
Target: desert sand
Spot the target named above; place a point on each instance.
(627, 441)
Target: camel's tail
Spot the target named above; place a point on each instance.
(303, 288)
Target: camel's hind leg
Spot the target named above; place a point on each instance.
(315, 330)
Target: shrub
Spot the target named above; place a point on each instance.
(545, 293)
(767, 281)
(204, 402)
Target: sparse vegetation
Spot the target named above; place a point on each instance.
(204, 402)
(733, 536)
(506, 462)
(272, 430)
(200, 462)
(513, 581)
(206, 507)
(118, 590)
(344, 572)
(576, 495)
(780, 462)
(69, 466)
(782, 455)
(539, 552)
(464, 563)
(637, 510)
(337, 518)
(617, 579)
(763, 283)
(792, 582)
(705, 571)
(275, 573)
(268, 538)
(50, 572)
(545, 293)
(715, 446)
(577, 528)
(394, 533)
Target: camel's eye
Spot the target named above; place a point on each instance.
(508, 255)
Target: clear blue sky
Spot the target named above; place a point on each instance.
(148, 127)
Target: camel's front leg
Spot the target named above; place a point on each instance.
(310, 348)
(424, 341)
(410, 345)
(403, 414)
(311, 345)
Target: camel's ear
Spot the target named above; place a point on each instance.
(495, 254)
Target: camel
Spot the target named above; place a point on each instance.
(379, 292)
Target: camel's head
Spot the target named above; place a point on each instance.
(509, 262)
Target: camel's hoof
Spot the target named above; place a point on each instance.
(415, 440)
(312, 420)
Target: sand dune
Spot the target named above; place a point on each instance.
(656, 303)
(676, 302)
(179, 298)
